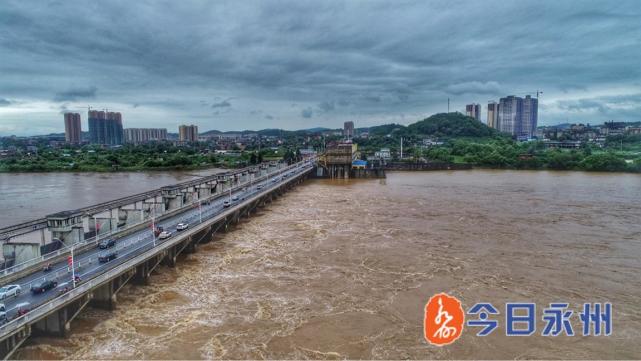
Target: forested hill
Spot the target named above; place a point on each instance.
(438, 125)
(452, 125)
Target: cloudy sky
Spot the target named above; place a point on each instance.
(232, 65)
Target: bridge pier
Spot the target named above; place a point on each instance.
(170, 258)
(104, 296)
(144, 270)
(58, 323)
(10, 344)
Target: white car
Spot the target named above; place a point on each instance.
(226, 204)
(164, 234)
(182, 226)
(260, 186)
(9, 290)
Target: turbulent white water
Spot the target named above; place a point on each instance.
(343, 270)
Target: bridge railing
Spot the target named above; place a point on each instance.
(49, 305)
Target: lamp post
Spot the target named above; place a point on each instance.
(153, 224)
(73, 269)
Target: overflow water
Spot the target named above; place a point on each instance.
(342, 269)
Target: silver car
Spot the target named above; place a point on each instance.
(9, 291)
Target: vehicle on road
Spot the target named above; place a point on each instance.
(47, 268)
(106, 243)
(164, 235)
(106, 257)
(9, 290)
(226, 204)
(275, 180)
(158, 230)
(234, 198)
(3, 314)
(43, 287)
(64, 288)
(23, 308)
(260, 186)
(182, 226)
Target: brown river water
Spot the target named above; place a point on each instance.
(343, 269)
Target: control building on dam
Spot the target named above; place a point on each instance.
(341, 160)
(73, 259)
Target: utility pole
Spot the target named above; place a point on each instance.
(401, 148)
(448, 105)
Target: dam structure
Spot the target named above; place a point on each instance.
(83, 257)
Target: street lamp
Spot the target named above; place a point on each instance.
(153, 224)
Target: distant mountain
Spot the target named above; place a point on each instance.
(211, 132)
(315, 130)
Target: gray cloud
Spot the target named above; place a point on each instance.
(222, 104)
(75, 94)
(307, 113)
(373, 61)
(474, 87)
(627, 107)
(5, 102)
(327, 106)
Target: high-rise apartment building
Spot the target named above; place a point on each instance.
(105, 127)
(493, 115)
(348, 130)
(529, 116)
(188, 133)
(144, 135)
(73, 130)
(510, 114)
(518, 116)
(473, 110)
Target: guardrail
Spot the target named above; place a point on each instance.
(44, 309)
(96, 239)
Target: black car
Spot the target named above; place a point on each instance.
(104, 258)
(106, 243)
(43, 287)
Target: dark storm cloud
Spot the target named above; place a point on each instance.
(372, 59)
(4, 102)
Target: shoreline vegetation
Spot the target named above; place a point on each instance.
(450, 138)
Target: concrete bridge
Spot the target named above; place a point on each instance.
(209, 205)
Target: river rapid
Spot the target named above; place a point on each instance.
(343, 268)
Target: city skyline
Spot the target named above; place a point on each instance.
(295, 65)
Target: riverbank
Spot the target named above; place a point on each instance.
(435, 166)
